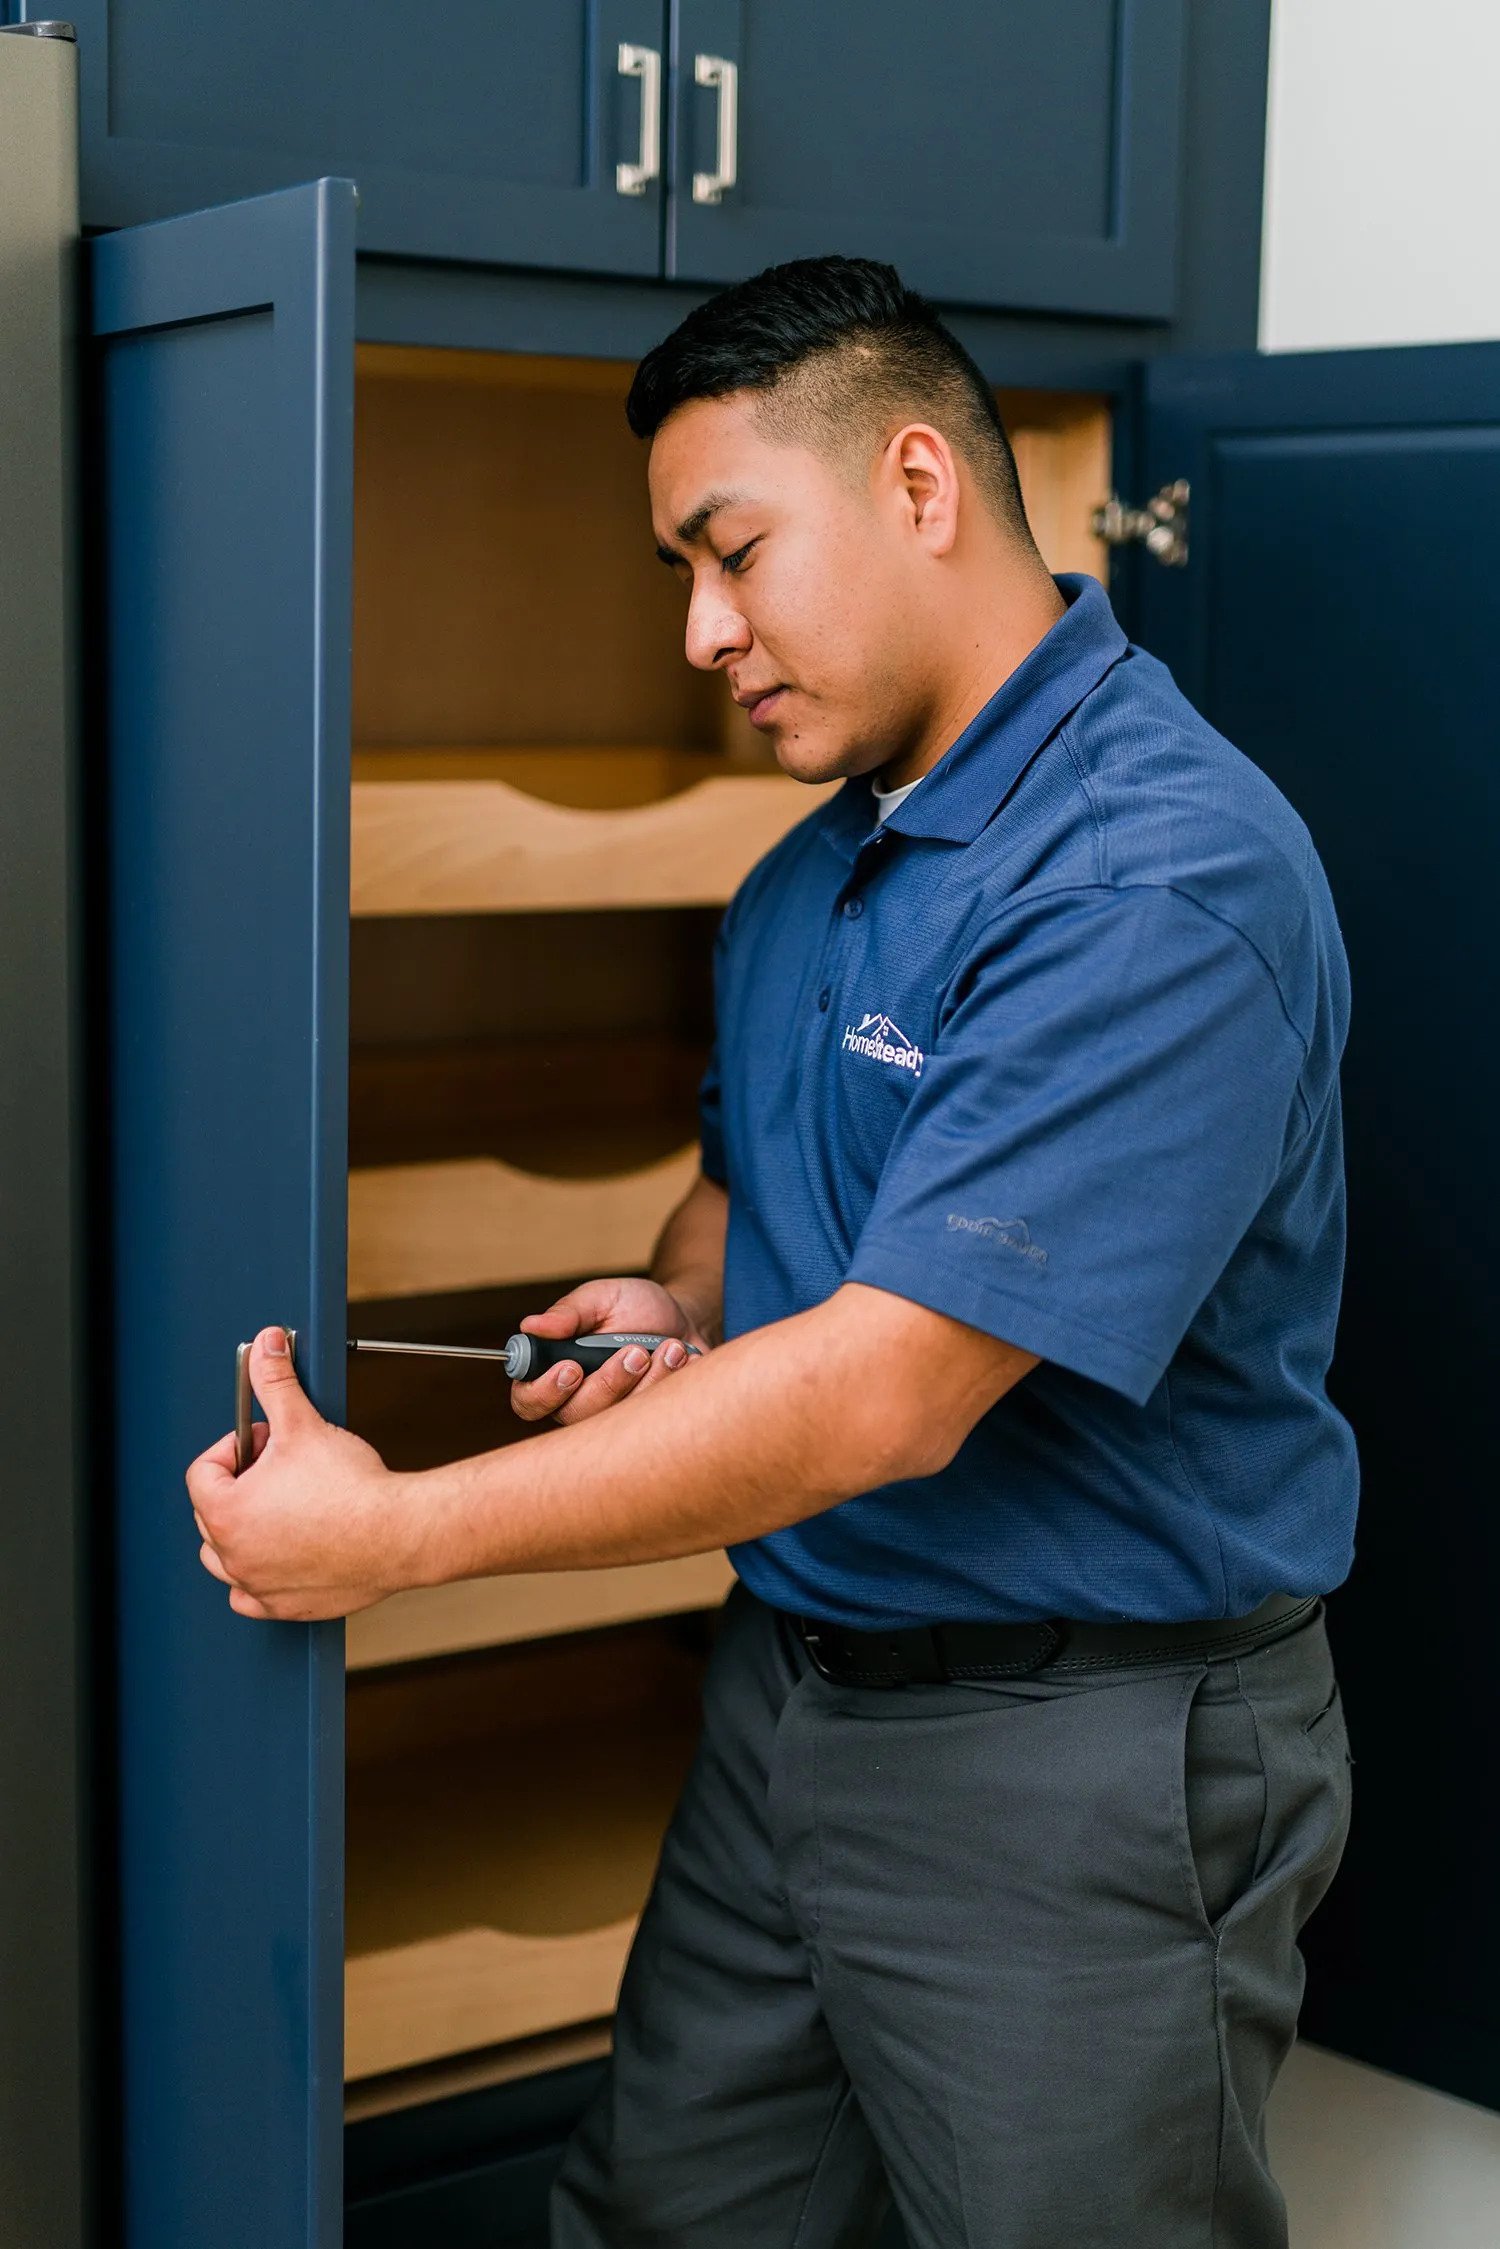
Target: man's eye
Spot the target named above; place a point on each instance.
(731, 564)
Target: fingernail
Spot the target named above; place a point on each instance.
(569, 1374)
(276, 1342)
(674, 1354)
(636, 1359)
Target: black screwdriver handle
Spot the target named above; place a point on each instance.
(527, 1356)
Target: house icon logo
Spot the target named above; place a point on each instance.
(880, 1040)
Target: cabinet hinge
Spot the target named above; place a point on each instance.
(1161, 526)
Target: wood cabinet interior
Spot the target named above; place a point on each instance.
(504, 1816)
(550, 808)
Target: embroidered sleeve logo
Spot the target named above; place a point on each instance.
(1010, 1233)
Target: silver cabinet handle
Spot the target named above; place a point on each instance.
(713, 70)
(244, 1404)
(643, 63)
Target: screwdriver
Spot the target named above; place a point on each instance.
(526, 1356)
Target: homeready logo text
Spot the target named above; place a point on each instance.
(879, 1038)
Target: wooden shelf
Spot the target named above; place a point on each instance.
(426, 1229)
(470, 831)
(502, 1844)
(414, 2003)
(488, 1612)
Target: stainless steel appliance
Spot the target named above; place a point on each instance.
(43, 1633)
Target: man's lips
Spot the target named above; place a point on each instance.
(760, 705)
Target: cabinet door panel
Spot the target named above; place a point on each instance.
(223, 382)
(1023, 154)
(1337, 620)
(475, 131)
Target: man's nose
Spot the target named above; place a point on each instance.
(716, 631)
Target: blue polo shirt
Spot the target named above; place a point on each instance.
(1054, 1050)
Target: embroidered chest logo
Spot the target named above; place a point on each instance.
(878, 1038)
(1010, 1233)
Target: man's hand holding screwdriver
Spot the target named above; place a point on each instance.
(684, 1307)
(565, 1392)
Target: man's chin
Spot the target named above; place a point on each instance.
(811, 761)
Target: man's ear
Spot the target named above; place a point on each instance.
(924, 468)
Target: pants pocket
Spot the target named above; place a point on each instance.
(1223, 1798)
(1265, 1789)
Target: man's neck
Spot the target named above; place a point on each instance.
(985, 655)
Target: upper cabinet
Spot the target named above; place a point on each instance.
(1009, 153)
(1001, 152)
(511, 134)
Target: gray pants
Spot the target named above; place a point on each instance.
(1026, 1951)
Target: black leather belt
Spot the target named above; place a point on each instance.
(928, 1654)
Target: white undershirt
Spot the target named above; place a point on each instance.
(886, 800)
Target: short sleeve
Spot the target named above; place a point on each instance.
(1103, 1112)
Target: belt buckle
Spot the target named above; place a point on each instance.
(809, 1634)
(909, 1665)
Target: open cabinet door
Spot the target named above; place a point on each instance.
(1337, 618)
(223, 386)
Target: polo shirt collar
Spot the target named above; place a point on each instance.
(977, 771)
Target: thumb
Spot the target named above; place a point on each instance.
(274, 1381)
(574, 1313)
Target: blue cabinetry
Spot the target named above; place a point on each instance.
(1336, 619)
(1341, 513)
(474, 130)
(224, 365)
(1024, 155)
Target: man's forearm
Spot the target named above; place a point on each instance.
(775, 1426)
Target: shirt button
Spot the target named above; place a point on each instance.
(823, 998)
(853, 908)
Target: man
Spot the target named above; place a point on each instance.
(1022, 1211)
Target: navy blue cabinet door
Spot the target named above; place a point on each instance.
(223, 384)
(475, 130)
(1337, 619)
(1000, 152)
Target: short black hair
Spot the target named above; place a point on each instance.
(838, 346)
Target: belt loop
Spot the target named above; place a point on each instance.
(925, 1663)
(1061, 1630)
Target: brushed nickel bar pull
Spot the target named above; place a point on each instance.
(643, 63)
(244, 1403)
(716, 71)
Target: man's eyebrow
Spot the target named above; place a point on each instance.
(693, 526)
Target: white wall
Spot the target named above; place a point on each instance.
(1369, 2162)
(1382, 217)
